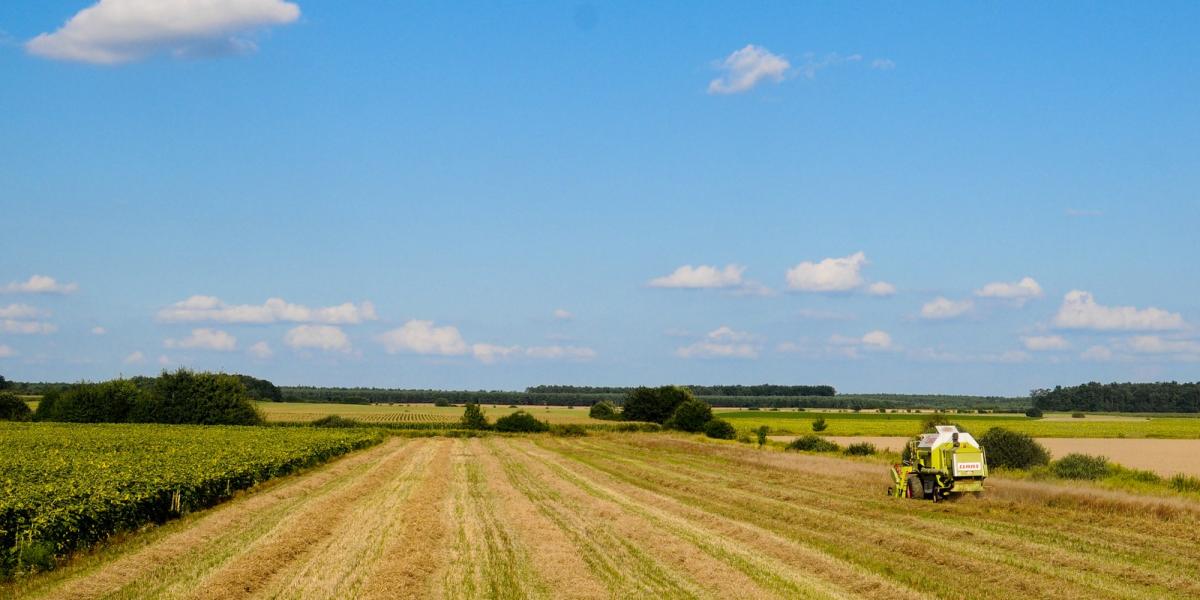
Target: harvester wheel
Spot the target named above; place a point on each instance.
(915, 488)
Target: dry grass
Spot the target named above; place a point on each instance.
(641, 516)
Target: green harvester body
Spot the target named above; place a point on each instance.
(939, 464)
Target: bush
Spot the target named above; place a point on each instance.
(520, 422)
(441, 402)
(1080, 466)
(761, 434)
(813, 443)
(860, 449)
(604, 410)
(820, 424)
(473, 417)
(568, 430)
(1184, 483)
(13, 408)
(1034, 413)
(654, 405)
(334, 421)
(1012, 449)
(187, 397)
(106, 402)
(1076, 415)
(720, 429)
(692, 415)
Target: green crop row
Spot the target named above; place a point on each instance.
(66, 486)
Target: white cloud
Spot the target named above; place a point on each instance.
(1079, 310)
(560, 352)
(99, 331)
(829, 275)
(490, 353)
(935, 355)
(881, 288)
(422, 337)
(1039, 343)
(1096, 353)
(22, 311)
(1153, 344)
(117, 31)
(945, 308)
(319, 337)
(1019, 292)
(6, 351)
(883, 64)
(722, 342)
(701, 277)
(746, 68)
(209, 308)
(812, 64)
(878, 340)
(134, 358)
(205, 339)
(39, 284)
(260, 350)
(164, 360)
(26, 327)
(563, 314)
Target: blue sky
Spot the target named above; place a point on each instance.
(493, 196)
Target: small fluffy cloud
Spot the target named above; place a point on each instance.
(1040, 343)
(205, 339)
(1018, 292)
(39, 284)
(935, 355)
(118, 31)
(1097, 353)
(812, 64)
(209, 308)
(164, 360)
(881, 288)
(701, 277)
(99, 331)
(884, 64)
(1079, 310)
(877, 340)
(260, 350)
(829, 275)
(847, 346)
(134, 358)
(722, 342)
(6, 351)
(26, 327)
(22, 311)
(317, 337)
(1153, 344)
(422, 337)
(945, 308)
(491, 353)
(746, 68)
(563, 314)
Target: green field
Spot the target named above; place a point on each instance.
(302, 412)
(64, 486)
(905, 424)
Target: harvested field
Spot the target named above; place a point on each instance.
(649, 516)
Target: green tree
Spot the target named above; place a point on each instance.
(520, 422)
(762, 432)
(1012, 449)
(12, 408)
(654, 405)
(104, 402)
(819, 424)
(691, 415)
(603, 410)
(473, 417)
(196, 398)
(720, 429)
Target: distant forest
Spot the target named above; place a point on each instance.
(1121, 397)
(698, 390)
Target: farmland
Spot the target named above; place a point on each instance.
(639, 516)
(906, 424)
(301, 412)
(66, 486)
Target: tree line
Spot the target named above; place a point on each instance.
(697, 390)
(1120, 397)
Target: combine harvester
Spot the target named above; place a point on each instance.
(939, 464)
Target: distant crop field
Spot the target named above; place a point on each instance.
(904, 424)
(64, 486)
(640, 516)
(303, 412)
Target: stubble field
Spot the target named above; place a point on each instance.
(621, 516)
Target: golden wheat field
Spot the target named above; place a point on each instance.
(638, 516)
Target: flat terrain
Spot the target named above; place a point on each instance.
(303, 412)
(905, 424)
(1165, 457)
(640, 516)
